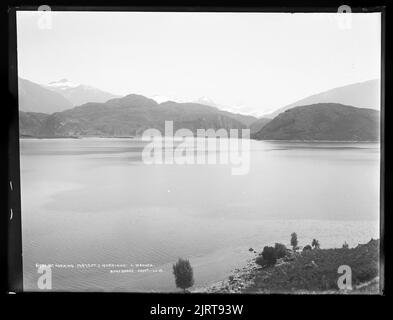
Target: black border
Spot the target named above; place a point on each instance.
(14, 240)
(11, 134)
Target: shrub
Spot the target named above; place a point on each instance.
(345, 245)
(315, 244)
(259, 260)
(184, 275)
(307, 247)
(269, 256)
(280, 250)
(294, 241)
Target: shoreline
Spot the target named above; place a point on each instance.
(241, 277)
(307, 272)
(139, 137)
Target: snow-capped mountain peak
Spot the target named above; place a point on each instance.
(79, 94)
(162, 98)
(63, 83)
(207, 101)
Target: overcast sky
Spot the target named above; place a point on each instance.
(250, 62)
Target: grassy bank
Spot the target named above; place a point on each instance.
(310, 271)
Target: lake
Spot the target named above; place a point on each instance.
(107, 221)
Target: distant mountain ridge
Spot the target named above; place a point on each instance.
(126, 116)
(35, 98)
(323, 121)
(79, 94)
(57, 96)
(361, 95)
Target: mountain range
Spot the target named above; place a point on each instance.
(46, 111)
(126, 116)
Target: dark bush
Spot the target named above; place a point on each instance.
(307, 247)
(269, 256)
(280, 250)
(259, 260)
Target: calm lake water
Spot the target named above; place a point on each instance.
(93, 201)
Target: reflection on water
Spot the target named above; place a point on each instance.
(94, 201)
